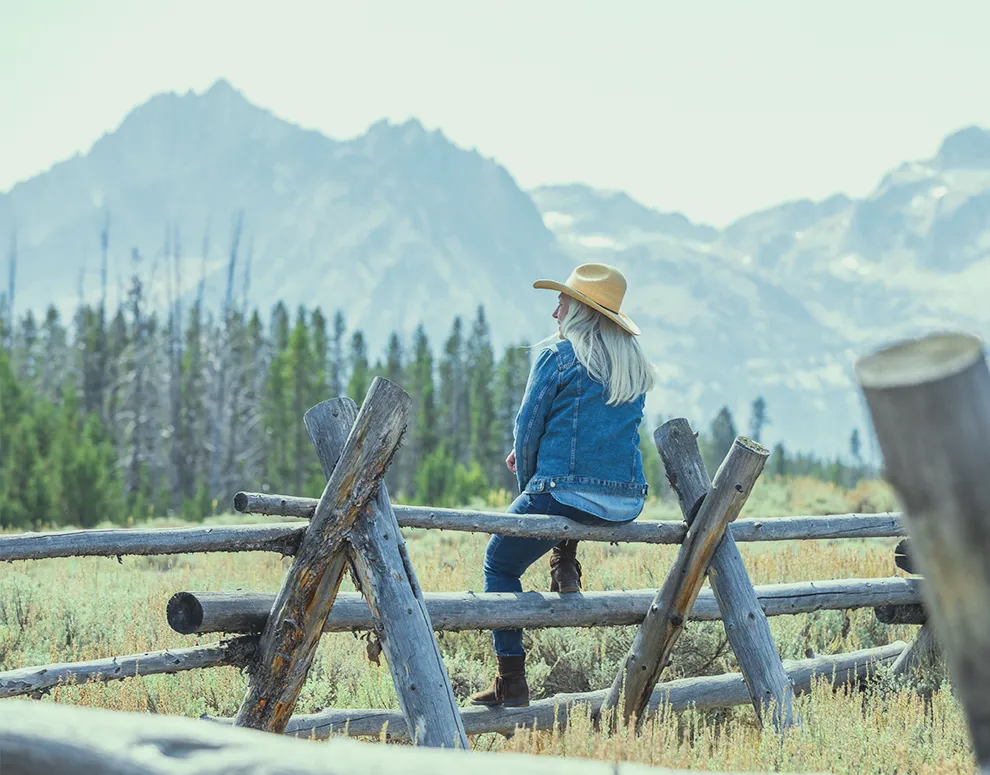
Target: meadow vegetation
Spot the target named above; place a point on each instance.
(86, 608)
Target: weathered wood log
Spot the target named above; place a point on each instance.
(665, 620)
(284, 538)
(853, 525)
(892, 613)
(746, 624)
(296, 622)
(245, 612)
(703, 693)
(923, 653)
(929, 400)
(40, 680)
(389, 583)
(116, 542)
(45, 738)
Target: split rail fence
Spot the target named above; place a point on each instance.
(353, 527)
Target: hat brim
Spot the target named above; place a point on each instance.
(620, 319)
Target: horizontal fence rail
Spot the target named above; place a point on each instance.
(703, 693)
(284, 538)
(39, 680)
(854, 525)
(246, 612)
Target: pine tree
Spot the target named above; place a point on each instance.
(481, 398)
(360, 381)
(336, 361)
(27, 355)
(722, 434)
(195, 420)
(758, 419)
(855, 448)
(422, 433)
(513, 372)
(55, 354)
(454, 408)
(778, 464)
(300, 366)
(321, 355)
(399, 475)
(277, 411)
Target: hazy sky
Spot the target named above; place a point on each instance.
(711, 108)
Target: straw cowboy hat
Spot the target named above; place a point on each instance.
(601, 287)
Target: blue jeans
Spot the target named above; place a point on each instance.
(508, 557)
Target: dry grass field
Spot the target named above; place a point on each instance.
(85, 608)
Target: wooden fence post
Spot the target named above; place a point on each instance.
(665, 620)
(746, 624)
(294, 625)
(398, 608)
(929, 400)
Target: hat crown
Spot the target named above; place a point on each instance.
(600, 282)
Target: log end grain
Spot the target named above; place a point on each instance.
(919, 361)
(184, 613)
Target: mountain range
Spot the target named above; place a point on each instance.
(400, 226)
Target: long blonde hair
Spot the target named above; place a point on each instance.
(612, 356)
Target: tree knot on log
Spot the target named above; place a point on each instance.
(676, 619)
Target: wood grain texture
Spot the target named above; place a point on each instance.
(246, 612)
(929, 400)
(703, 693)
(284, 538)
(44, 738)
(746, 624)
(853, 525)
(299, 614)
(665, 620)
(118, 542)
(39, 680)
(399, 615)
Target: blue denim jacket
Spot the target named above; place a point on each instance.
(568, 440)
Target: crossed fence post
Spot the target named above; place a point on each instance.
(354, 522)
(708, 508)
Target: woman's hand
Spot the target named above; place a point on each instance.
(510, 461)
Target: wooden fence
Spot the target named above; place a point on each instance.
(354, 527)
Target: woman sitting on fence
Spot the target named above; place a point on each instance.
(576, 451)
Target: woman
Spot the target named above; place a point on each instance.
(576, 451)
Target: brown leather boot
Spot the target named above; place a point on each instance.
(509, 689)
(565, 570)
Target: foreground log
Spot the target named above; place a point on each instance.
(245, 612)
(40, 680)
(705, 693)
(746, 624)
(665, 620)
(293, 629)
(929, 400)
(400, 619)
(44, 738)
